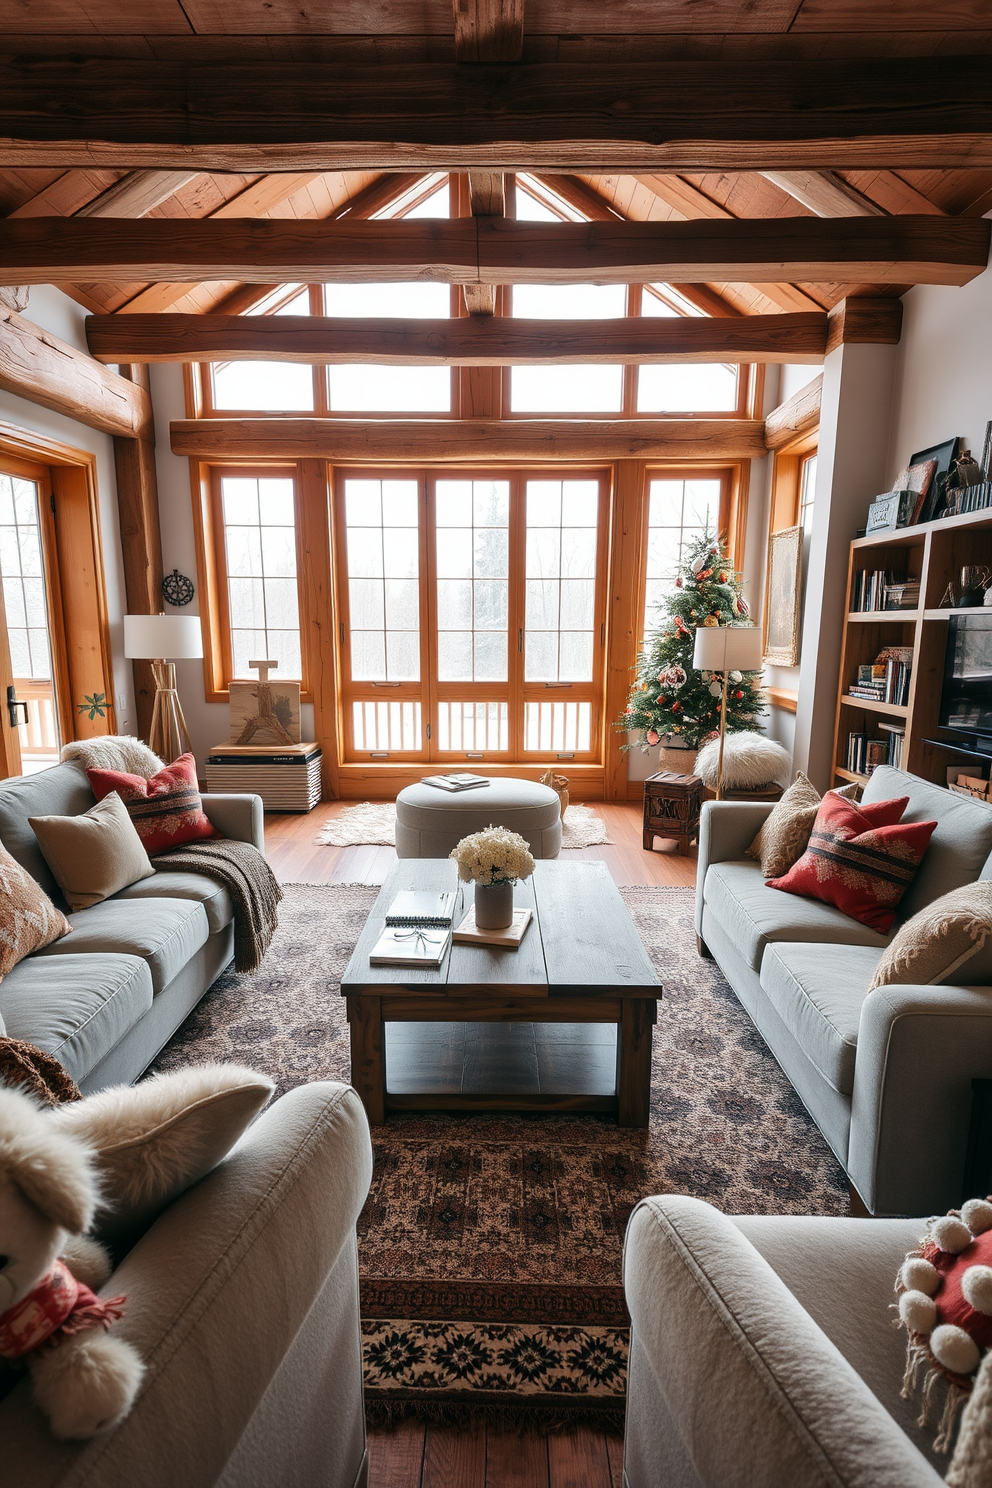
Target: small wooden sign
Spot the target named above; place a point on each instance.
(265, 712)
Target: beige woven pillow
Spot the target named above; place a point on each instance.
(784, 835)
(28, 918)
(935, 943)
(95, 854)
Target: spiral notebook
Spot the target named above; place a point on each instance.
(422, 908)
(397, 946)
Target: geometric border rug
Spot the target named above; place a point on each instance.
(490, 1245)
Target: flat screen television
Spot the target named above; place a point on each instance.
(966, 700)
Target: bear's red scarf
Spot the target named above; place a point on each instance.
(56, 1308)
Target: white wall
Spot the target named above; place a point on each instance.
(943, 384)
(55, 312)
(207, 722)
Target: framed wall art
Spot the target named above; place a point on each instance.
(783, 597)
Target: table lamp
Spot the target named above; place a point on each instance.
(154, 638)
(726, 649)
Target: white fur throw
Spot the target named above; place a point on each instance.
(113, 752)
(749, 762)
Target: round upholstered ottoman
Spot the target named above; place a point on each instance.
(430, 822)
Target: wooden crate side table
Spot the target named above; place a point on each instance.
(671, 808)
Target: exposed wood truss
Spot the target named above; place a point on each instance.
(864, 318)
(930, 250)
(797, 415)
(487, 198)
(825, 193)
(915, 112)
(38, 366)
(489, 30)
(141, 543)
(137, 193)
(445, 440)
(471, 341)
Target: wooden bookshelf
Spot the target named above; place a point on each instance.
(934, 554)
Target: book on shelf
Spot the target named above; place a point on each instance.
(886, 679)
(456, 782)
(397, 946)
(878, 589)
(468, 932)
(423, 908)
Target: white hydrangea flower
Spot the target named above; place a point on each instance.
(496, 855)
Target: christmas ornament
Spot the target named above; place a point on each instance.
(698, 563)
(715, 689)
(653, 736)
(735, 676)
(711, 620)
(740, 605)
(672, 677)
(738, 694)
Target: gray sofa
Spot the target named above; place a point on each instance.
(243, 1302)
(105, 998)
(763, 1353)
(887, 1078)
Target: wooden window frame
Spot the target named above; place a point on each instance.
(516, 691)
(733, 480)
(786, 493)
(211, 562)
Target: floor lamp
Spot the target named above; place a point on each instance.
(154, 638)
(726, 649)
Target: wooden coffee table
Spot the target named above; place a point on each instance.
(581, 961)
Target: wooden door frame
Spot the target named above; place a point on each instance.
(72, 546)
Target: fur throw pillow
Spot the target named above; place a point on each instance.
(750, 761)
(113, 752)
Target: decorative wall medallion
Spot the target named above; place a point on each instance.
(177, 589)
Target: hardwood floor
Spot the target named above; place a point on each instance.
(413, 1455)
(296, 857)
(416, 1456)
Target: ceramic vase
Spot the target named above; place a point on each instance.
(493, 906)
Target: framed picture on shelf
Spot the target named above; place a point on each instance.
(943, 456)
(783, 597)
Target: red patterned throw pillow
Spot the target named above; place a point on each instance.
(860, 858)
(166, 810)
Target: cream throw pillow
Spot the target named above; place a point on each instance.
(941, 938)
(785, 833)
(93, 855)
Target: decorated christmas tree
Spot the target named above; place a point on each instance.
(669, 696)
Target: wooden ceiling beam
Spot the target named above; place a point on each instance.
(488, 30)
(920, 250)
(864, 318)
(466, 342)
(446, 440)
(38, 366)
(677, 116)
(487, 198)
(137, 193)
(825, 193)
(798, 415)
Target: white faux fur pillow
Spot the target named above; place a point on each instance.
(749, 762)
(156, 1139)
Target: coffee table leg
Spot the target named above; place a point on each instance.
(638, 1014)
(368, 1055)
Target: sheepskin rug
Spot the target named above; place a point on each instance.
(750, 761)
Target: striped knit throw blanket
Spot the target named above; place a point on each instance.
(249, 880)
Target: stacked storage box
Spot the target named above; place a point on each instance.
(286, 776)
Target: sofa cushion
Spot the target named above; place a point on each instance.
(166, 810)
(75, 1007)
(61, 791)
(817, 991)
(214, 897)
(754, 915)
(960, 845)
(94, 854)
(164, 932)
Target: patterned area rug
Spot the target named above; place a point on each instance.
(490, 1245)
(373, 824)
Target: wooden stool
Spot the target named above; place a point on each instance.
(671, 808)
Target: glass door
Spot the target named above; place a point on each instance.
(26, 602)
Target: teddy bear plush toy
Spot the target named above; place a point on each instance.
(83, 1378)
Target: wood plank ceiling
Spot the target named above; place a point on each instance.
(387, 32)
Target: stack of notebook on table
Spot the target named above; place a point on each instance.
(417, 930)
(286, 776)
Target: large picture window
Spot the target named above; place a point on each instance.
(469, 605)
(680, 509)
(256, 549)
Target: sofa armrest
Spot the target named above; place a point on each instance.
(218, 1290)
(726, 831)
(238, 817)
(919, 1048)
(731, 1379)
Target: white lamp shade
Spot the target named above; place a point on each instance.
(162, 637)
(727, 648)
